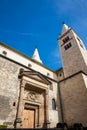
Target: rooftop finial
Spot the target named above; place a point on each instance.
(36, 56)
(65, 28)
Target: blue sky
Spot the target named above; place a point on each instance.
(25, 24)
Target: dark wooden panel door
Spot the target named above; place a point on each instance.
(28, 118)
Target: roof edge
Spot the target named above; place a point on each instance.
(36, 62)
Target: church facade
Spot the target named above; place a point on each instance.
(34, 96)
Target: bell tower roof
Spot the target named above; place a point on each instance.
(65, 28)
(36, 56)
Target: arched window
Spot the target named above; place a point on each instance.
(53, 104)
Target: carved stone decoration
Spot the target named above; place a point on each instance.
(33, 96)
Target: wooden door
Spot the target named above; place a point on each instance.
(28, 118)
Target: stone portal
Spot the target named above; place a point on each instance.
(33, 102)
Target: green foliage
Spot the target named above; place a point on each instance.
(3, 126)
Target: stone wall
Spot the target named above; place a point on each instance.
(74, 100)
(9, 91)
(53, 114)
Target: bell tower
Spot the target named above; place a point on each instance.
(73, 52)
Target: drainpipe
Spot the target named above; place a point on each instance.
(60, 100)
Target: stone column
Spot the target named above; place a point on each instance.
(47, 107)
(20, 106)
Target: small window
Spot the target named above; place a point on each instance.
(60, 74)
(4, 52)
(48, 74)
(68, 46)
(14, 104)
(66, 39)
(29, 65)
(53, 104)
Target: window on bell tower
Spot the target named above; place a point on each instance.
(68, 46)
(66, 39)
